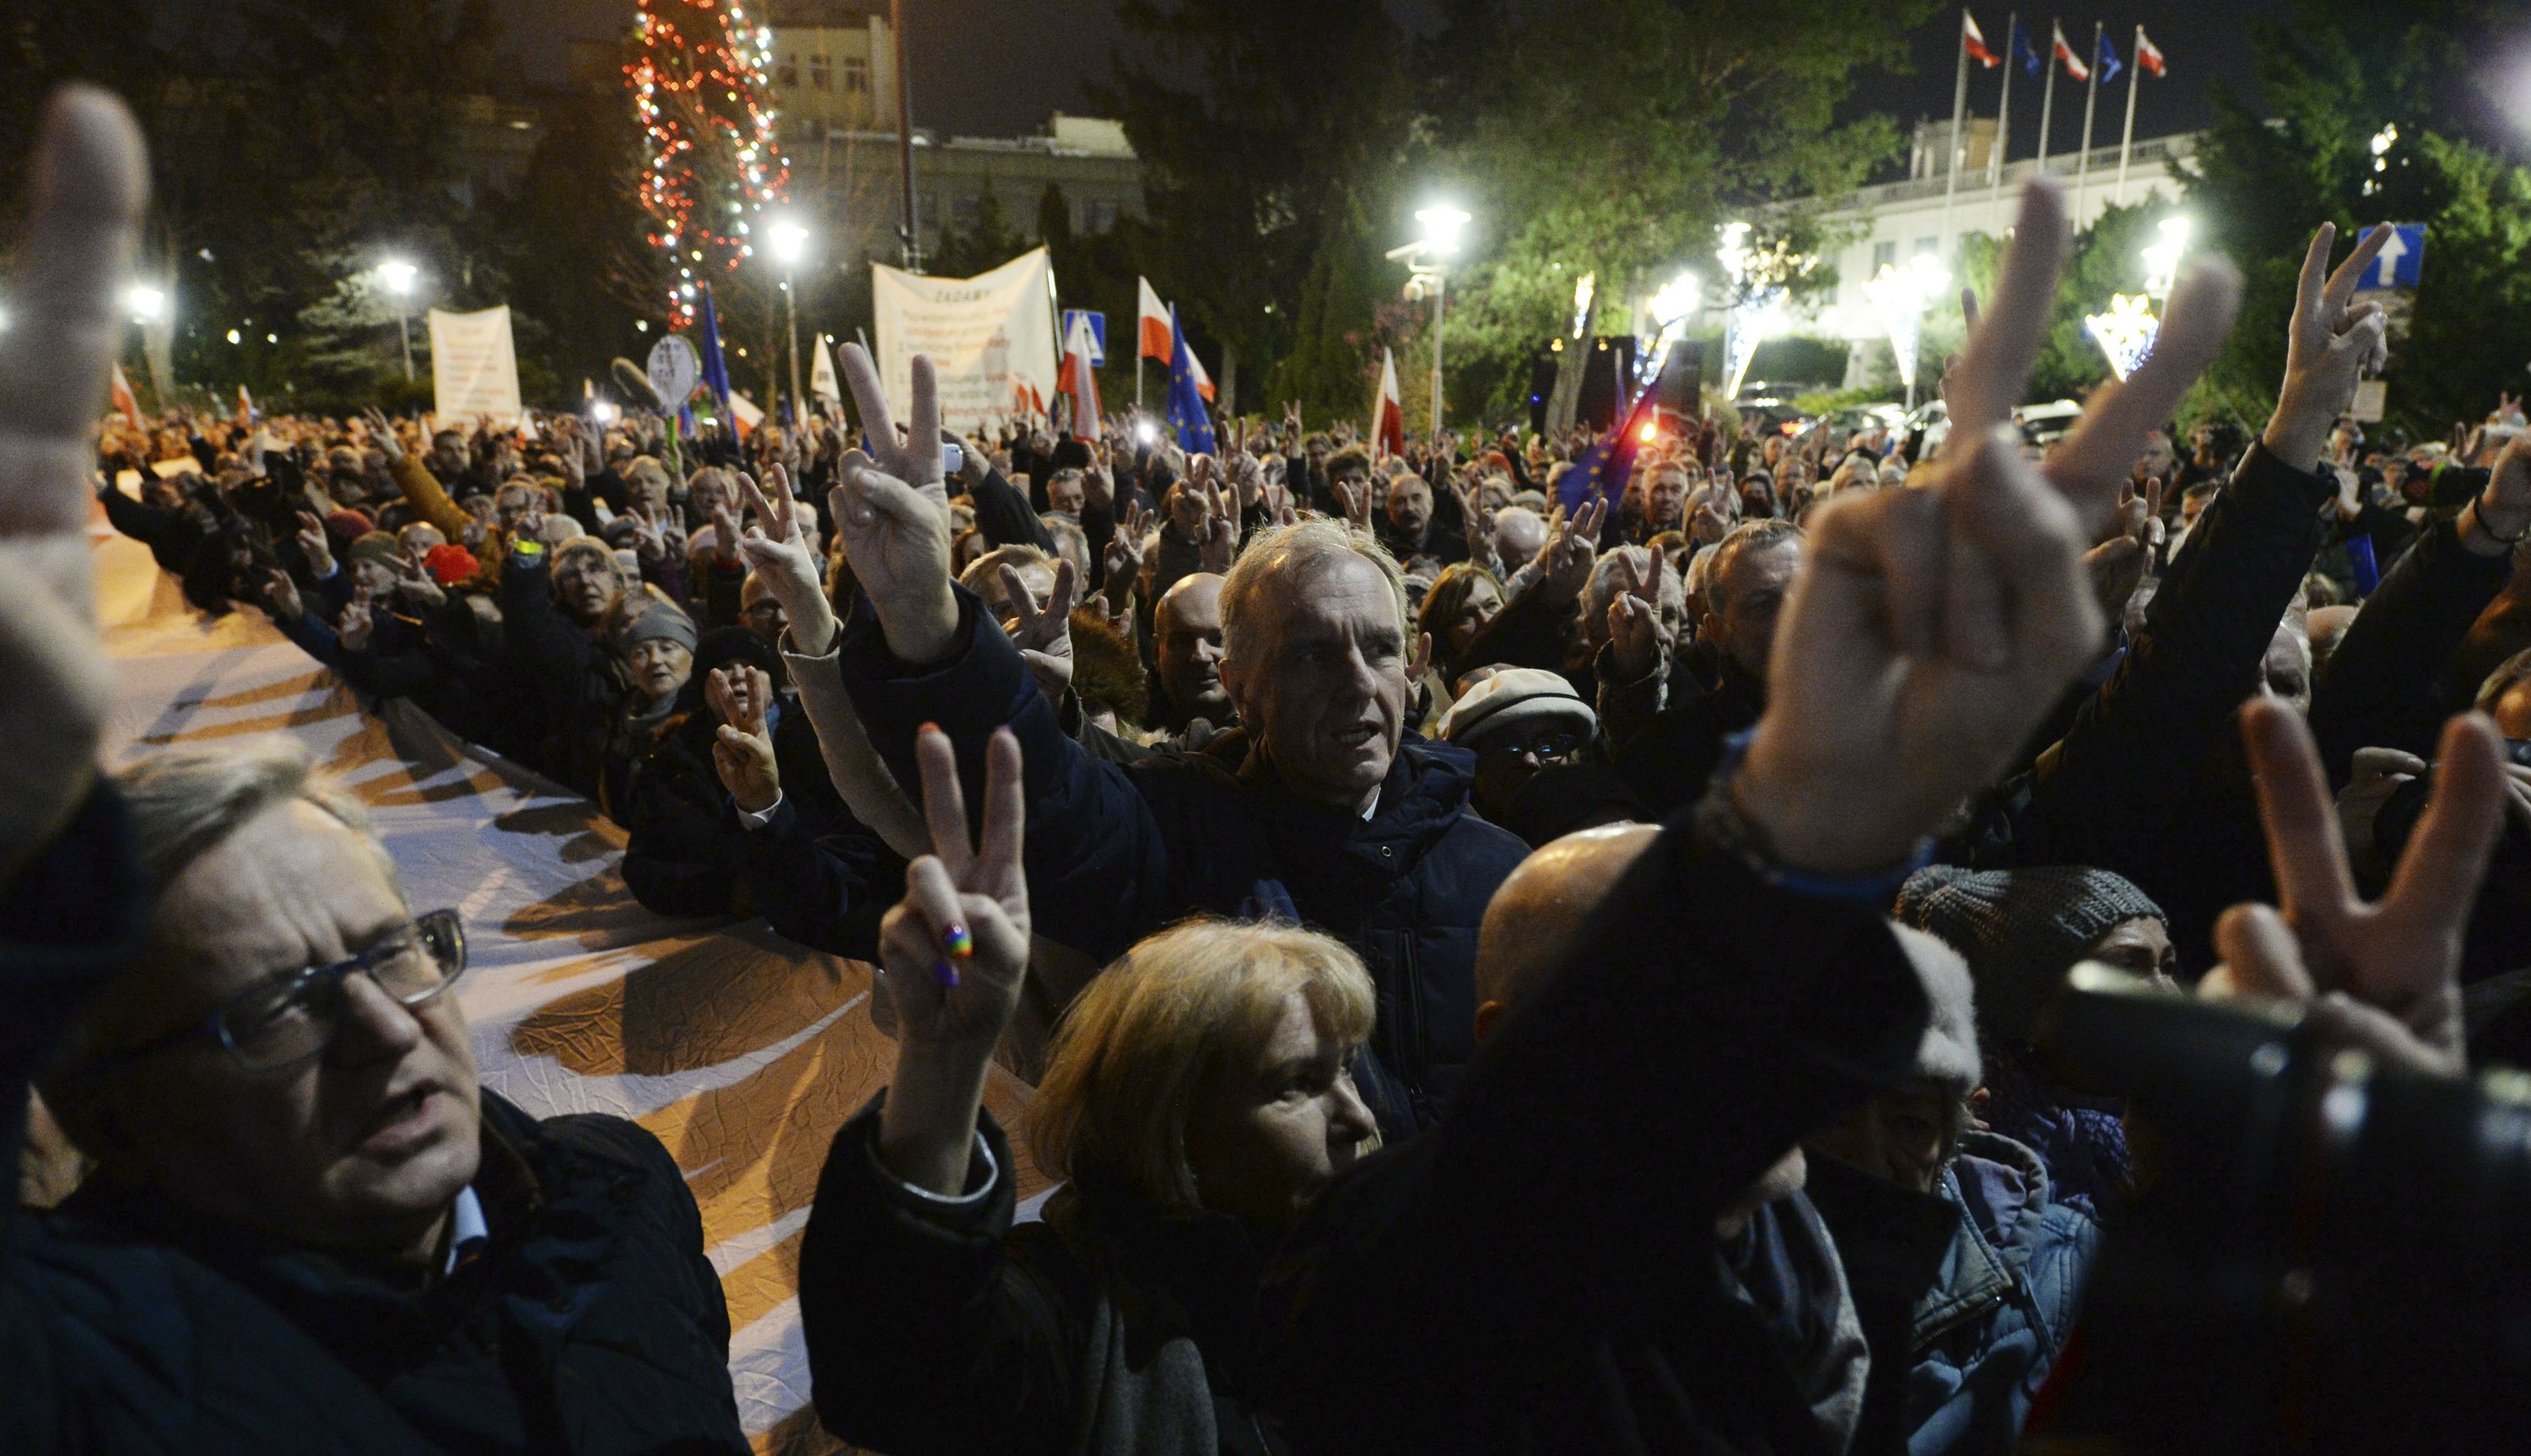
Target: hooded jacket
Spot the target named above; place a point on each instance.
(1116, 851)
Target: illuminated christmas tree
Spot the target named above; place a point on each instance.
(713, 160)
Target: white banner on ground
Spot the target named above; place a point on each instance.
(990, 338)
(474, 367)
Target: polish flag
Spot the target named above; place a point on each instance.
(125, 399)
(1387, 417)
(2074, 66)
(1080, 381)
(1975, 41)
(1159, 335)
(2148, 54)
(245, 406)
(1202, 380)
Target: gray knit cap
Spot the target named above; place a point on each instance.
(658, 622)
(2020, 929)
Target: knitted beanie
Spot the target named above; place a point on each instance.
(1949, 1054)
(450, 564)
(2020, 929)
(658, 622)
(372, 545)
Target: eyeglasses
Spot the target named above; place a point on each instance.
(291, 1017)
(1543, 745)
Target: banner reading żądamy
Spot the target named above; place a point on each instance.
(990, 338)
(474, 368)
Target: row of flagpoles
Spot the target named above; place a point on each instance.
(2104, 65)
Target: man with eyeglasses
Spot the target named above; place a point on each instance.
(1518, 721)
(308, 1227)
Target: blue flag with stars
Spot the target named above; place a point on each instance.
(716, 369)
(1186, 402)
(2108, 59)
(2022, 47)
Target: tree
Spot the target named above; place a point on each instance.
(2333, 79)
(713, 161)
(1620, 157)
(986, 242)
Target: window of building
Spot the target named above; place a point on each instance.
(1883, 254)
(856, 75)
(1926, 246)
(786, 73)
(819, 76)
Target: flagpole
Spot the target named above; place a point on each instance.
(2003, 128)
(2048, 96)
(1959, 118)
(2091, 93)
(2126, 137)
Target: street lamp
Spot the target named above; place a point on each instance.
(2162, 260)
(398, 276)
(790, 241)
(147, 304)
(1429, 258)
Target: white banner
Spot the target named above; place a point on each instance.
(474, 367)
(990, 338)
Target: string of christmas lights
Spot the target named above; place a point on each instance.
(712, 161)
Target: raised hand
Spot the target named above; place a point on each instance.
(2117, 565)
(1709, 511)
(414, 583)
(2502, 510)
(2383, 977)
(1565, 561)
(313, 546)
(382, 434)
(2327, 346)
(724, 517)
(779, 553)
(281, 597)
(1044, 635)
(893, 513)
(1278, 505)
(1476, 518)
(742, 747)
(354, 628)
(1932, 629)
(1219, 538)
(1639, 641)
(1123, 560)
(952, 956)
(1355, 499)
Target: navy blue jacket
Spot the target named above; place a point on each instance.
(591, 1322)
(1117, 852)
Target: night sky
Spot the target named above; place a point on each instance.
(1001, 67)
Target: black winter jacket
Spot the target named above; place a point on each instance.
(1115, 852)
(592, 1323)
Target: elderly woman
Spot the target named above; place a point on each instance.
(1199, 1098)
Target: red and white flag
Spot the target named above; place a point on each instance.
(2148, 54)
(245, 406)
(1975, 41)
(1081, 381)
(2074, 66)
(1387, 417)
(1157, 334)
(1202, 380)
(125, 399)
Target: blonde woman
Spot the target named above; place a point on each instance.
(1198, 1096)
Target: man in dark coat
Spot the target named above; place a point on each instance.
(308, 1227)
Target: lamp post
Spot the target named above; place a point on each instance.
(1429, 258)
(790, 239)
(398, 276)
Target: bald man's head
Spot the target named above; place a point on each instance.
(1188, 625)
(1535, 915)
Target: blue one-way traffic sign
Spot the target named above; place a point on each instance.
(2400, 259)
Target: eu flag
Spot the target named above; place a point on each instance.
(2108, 60)
(716, 369)
(1605, 468)
(1186, 399)
(2022, 47)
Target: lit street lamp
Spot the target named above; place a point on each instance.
(147, 304)
(1430, 258)
(790, 241)
(398, 276)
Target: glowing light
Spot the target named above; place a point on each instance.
(1650, 433)
(602, 411)
(147, 304)
(789, 240)
(1898, 296)
(1442, 228)
(398, 276)
(2161, 259)
(234, 337)
(2126, 333)
(710, 146)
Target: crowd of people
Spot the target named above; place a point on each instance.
(1502, 968)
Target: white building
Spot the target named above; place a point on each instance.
(1894, 222)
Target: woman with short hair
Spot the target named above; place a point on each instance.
(1199, 1095)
